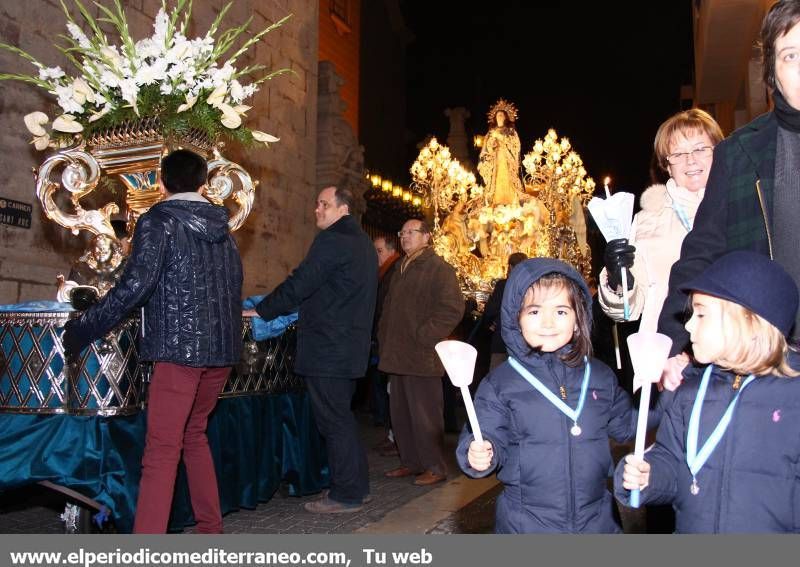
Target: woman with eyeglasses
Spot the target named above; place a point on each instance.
(684, 149)
(752, 197)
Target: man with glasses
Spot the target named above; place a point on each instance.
(423, 306)
(335, 287)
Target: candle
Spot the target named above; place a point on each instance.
(606, 181)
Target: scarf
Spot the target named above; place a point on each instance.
(788, 116)
(383, 268)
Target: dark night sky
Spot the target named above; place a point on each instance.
(605, 74)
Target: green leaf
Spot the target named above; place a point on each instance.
(218, 20)
(21, 53)
(186, 18)
(98, 33)
(26, 79)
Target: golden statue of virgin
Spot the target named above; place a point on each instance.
(499, 159)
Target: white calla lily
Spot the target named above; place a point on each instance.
(41, 142)
(112, 57)
(242, 109)
(260, 136)
(190, 100)
(34, 122)
(81, 91)
(230, 118)
(67, 123)
(217, 97)
(98, 115)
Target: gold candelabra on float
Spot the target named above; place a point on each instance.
(555, 174)
(442, 179)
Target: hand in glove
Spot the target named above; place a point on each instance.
(74, 339)
(619, 254)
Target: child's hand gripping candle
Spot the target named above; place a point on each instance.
(649, 352)
(547, 413)
(726, 457)
(459, 360)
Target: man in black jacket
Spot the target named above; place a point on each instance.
(185, 272)
(334, 286)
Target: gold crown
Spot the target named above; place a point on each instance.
(505, 106)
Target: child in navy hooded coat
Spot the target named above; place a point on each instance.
(727, 455)
(549, 443)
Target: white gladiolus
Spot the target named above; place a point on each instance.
(67, 123)
(179, 51)
(237, 92)
(111, 77)
(129, 91)
(47, 73)
(160, 27)
(78, 35)
(66, 99)
(148, 48)
(34, 122)
(149, 74)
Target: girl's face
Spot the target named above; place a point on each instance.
(548, 318)
(705, 328)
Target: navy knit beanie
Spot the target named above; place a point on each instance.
(753, 281)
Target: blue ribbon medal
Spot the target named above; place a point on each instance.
(694, 459)
(573, 414)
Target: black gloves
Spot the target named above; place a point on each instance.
(619, 254)
(83, 297)
(74, 339)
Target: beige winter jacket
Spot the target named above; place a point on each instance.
(657, 233)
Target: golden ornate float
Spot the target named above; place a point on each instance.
(476, 227)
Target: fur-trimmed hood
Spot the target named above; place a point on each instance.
(521, 278)
(658, 196)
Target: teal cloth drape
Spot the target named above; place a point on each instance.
(256, 441)
(100, 457)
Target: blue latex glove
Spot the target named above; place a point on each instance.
(263, 330)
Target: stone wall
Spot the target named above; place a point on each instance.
(275, 237)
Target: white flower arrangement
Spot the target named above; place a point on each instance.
(178, 80)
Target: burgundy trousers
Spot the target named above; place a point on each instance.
(179, 402)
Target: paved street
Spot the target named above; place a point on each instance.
(459, 506)
(394, 508)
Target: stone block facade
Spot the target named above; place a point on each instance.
(281, 226)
